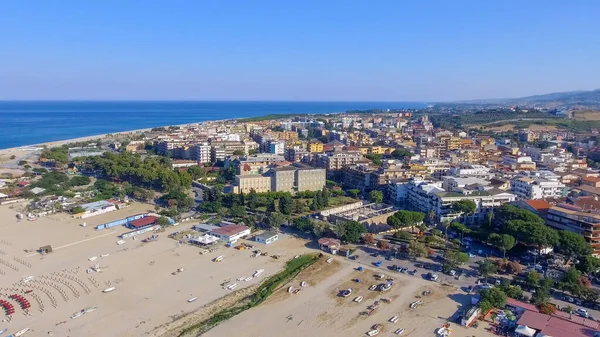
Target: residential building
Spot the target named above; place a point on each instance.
(296, 154)
(223, 149)
(267, 238)
(202, 153)
(247, 182)
(577, 220)
(338, 160)
(258, 163)
(277, 147)
(294, 178)
(543, 187)
(471, 170)
(315, 147)
(309, 178)
(231, 233)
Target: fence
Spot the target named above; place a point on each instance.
(120, 222)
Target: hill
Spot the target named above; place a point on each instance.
(569, 99)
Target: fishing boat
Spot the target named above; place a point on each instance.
(77, 314)
(93, 258)
(347, 292)
(232, 286)
(290, 289)
(3, 331)
(303, 284)
(107, 290)
(399, 331)
(104, 255)
(218, 258)
(296, 291)
(329, 260)
(241, 278)
(192, 299)
(28, 291)
(358, 299)
(248, 279)
(120, 242)
(373, 287)
(394, 319)
(258, 272)
(21, 332)
(387, 286)
(27, 279)
(90, 309)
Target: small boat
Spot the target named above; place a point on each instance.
(77, 314)
(290, 289)
(28, 291)
(192, 299)
(394, 319)
(399, 331)
(120, 242)
(387, 286)
(258, 272)
(27, 279)
(232, 286)
(329, 260)
(89, 271)
(241, 278)
(373, 332)
(386, 300)
(21, 332)
(90, 309)
(296, 291)
(373, 287)
(104, 255)
(107, 290)
(248, 279)
(358, 299)
(303, 284)
(218, 258)
(347, 292)
(93, 258)
(3, 331)
(297, 256)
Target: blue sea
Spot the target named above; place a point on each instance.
(34, 122)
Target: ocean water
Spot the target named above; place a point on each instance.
(34, 122)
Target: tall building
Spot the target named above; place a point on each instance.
(277, 147)
(294, 178)
(203, 153)
(577, 220)
(543, 187)
(315, 147)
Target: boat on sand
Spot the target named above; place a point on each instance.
(107, 290)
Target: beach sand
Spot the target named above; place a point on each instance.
(147, 295)
(318, 310)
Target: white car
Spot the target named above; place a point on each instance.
(582, 312)
(434, 277)
(399, 331)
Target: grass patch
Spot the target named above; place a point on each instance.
(292, 268)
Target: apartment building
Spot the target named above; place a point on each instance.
(297, 177)
(202, 153)
(471, 170)
(338, 160)
(426, 197)
(542, 187)
(577, 220)
(258, 163)
(296, 154)
(222, 150)
(277, 147)
(315, 147)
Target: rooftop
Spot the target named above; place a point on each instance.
(230, 230)
(143, 222)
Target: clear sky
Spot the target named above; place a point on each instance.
(397, 50)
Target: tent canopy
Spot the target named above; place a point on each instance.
(205, 239)
(525, 331)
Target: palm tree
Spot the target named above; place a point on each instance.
(431, 215)
(446, 225)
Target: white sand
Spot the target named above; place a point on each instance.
(146, 296)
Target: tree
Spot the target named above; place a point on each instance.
(369, 239)
(511, 291)
(487, 268)
(238, 211)
(403, 219)
(533, 278)
(376, 196)
(542, 294)
(77, 210)
(503, 242)
(325, 196)
(353, 231)
(375, 158)
(353, 193)
(286, 204)
(417, 249)
(275, 219)
(491, 298)
(489, 218)
(573, 245)
(461, 228)
(22, 162)
(431, 216)
(79, 181)
(196, 172)
(298, 207)
(455, 258)
(400, 153)
(465, 206)
(252, 200)
(532, 233)
(436, 232)
(303, 224)
(271, 206)
(547, 308)
(446, 225)
(588, 264)
(238, 153)
(163, 221)
(383, 245)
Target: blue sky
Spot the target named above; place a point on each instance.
(400, 50)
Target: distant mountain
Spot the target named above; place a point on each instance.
(589, 99)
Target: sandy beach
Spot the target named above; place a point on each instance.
(319, 311)
(146, 296)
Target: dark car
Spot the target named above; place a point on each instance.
(419, 265)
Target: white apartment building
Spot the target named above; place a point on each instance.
(276, 147)
(431, 196)
(454, 183)
(203, 153)
(538, 187)
(471, 170)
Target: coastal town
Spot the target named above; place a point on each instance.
(415, 222)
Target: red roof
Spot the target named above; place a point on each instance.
(519, 304)
(329, 242)
(230, 230)
(538, 205)
(574, 326)
(143, 222)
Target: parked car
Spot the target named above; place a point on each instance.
(582, 312)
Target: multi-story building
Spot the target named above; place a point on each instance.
(277, 147)
(427, 197)
(315, 147)
(338, 160)
(222, 150)
(258, 164)
(296, 154)
(543, 187)
(295, 178)
(577, 220)
(202, 153)
(471, 170)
